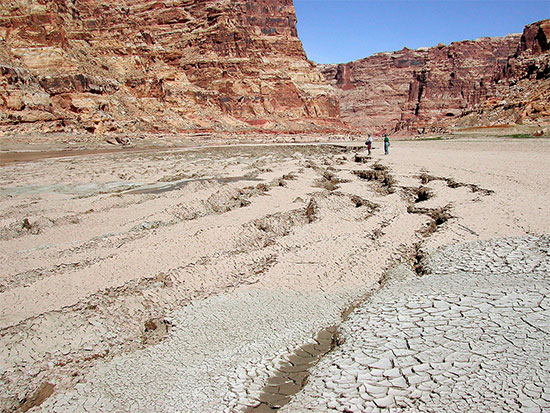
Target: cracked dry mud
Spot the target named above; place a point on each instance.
(471, 335)
(211, 279)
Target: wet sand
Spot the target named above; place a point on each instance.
(189, 279)
(29, 156)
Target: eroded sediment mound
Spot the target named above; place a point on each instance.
(190, 278)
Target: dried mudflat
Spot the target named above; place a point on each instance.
(211, 279)
(470, 336)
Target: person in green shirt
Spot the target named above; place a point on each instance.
(386, 145)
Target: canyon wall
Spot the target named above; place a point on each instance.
(487, 81)
(158, 66)
(523, 86)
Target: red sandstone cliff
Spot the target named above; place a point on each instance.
(166, 65)
(470, 83)
(523, 86)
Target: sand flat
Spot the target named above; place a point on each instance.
(102, 282)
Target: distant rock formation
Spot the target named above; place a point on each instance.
(167, 65)
(523, 86)
(486, 81)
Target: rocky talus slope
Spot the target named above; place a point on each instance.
(147, 66)
(488, 81)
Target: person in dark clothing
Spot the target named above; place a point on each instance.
(386, 145)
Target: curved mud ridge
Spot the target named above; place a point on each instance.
(117, 319)
(150, 278)
(292, 373)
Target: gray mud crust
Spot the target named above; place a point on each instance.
(220, 353)
(472, 335)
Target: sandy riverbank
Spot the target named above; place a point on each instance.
(180, 279)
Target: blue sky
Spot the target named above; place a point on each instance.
(337, 31)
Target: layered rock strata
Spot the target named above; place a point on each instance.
(163, 66)
(523, 85)
(469, 83)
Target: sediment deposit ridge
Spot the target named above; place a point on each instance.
(191, 278)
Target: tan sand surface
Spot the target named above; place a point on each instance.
(149, 281)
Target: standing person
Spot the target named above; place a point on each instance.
(386, 145)
(369, 143)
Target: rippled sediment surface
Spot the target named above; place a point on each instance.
(196, 294)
